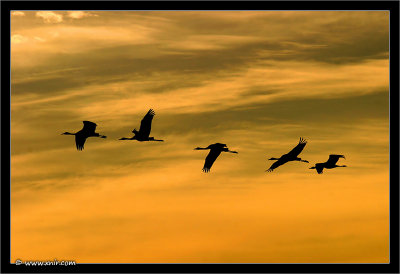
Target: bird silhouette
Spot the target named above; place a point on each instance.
(291, 156)
(331, 163)
(215, 151)
(88, 130)
(145, 128)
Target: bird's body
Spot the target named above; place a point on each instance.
(215, 151)
(87, 131)
(331, 163)
(145, 128)
(291, 156)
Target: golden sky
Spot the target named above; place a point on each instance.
(255, 80)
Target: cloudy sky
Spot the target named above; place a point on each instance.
(255, 80)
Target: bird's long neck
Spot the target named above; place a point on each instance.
(68, 133)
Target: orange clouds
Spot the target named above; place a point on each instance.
(50, 16)
(256, 81)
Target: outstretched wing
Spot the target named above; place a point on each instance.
(89, 127)
(319, 168)
(80, 141)
(299, 148)
(210, 159)
(275, 165)
(145, 125)
(333, 158)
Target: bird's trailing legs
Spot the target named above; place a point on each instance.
(101, 136)
(231, 151)
(300, 160)
(152, 139)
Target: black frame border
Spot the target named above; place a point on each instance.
(392, 6)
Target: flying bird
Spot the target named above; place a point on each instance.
(331, 163)
(145, 128)
(215, 151)
(88, 130)
(291, 156)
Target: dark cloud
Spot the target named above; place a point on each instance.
(122, 63)
(313, 111)
(316, 111)
(347, 38)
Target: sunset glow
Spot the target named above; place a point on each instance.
(254, 80)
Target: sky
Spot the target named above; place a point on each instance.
(254, 80)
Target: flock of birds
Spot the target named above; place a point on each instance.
(143, 134)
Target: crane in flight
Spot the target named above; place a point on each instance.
(88, 130)
(331, 163)
(291, 156)
(215, 151)
(144, 130)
